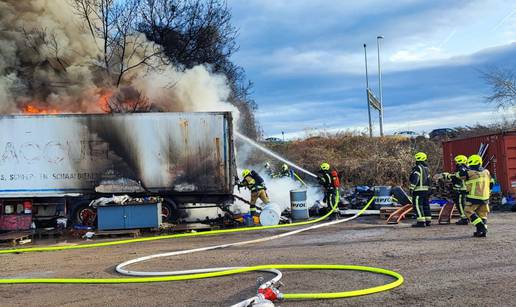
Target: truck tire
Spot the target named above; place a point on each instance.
(85, 215)
(168, 210)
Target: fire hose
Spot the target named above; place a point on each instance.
(165, 237)
(267, 292)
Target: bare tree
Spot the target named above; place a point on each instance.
(194, 32)
(42, 41)
(503, 87)
(113, 24)
(127, 100)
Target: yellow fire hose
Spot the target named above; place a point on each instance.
(299, 178)
(173, 236)
(399, 278)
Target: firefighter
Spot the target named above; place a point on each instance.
(478, 184)
(268, 169)
(459, 191)
(419, 189)
(329, 180)
(286, 171)
(254, 182)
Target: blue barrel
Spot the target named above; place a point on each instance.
(298, 205)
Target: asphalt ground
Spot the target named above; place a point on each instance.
(443, 265)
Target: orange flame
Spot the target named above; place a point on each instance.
(103, 101)
(32, 109)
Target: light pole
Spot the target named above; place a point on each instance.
(378, 38)
(367, 93)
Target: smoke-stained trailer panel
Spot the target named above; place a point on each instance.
(171, 153)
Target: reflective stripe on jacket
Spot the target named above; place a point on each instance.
(420, 178)
(325, 180)
(478, 184)
(458, 184)
(250, 183)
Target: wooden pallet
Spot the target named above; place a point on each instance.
(16, 237)
(135, 233)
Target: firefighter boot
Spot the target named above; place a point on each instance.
(419, 224)
(462, 221)
(481, 231)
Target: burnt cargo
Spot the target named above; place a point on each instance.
(79, 154)
(499, 159)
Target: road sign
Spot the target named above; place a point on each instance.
(373, 101)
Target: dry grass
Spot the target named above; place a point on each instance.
(359, 159)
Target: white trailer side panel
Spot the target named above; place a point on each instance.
(47, 155)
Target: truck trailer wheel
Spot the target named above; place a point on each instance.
(85, 215)
(169, 210)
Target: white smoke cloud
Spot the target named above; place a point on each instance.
(50, 60)
(278, 190)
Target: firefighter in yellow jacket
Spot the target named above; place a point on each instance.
(478, 184)
(254, 182)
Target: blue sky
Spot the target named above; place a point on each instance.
(307, 63)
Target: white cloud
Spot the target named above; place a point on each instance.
(421, 116)
(295, 61)
(418, 54)
(431, 36)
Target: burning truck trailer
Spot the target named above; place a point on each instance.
(53, 166)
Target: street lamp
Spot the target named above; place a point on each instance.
(378, 38)
(367, 93)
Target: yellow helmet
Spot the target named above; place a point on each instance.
(420, 156)
(325, 166)
(284, 167)
(474, 160)
(246, 172)
(461, 159)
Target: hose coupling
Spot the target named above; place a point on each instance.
(270, 293)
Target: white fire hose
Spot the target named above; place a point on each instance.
(248, 302)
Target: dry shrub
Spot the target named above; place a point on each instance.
(359, 159)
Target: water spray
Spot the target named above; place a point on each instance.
(273, 154)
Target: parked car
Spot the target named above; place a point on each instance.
(274, 140)
(442, 133)
(409, 134)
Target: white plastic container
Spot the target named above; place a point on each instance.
(271, 214)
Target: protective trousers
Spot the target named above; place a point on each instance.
(329, 197)
(421, 206)
(477, 213)
(261, 194)
(459, 198)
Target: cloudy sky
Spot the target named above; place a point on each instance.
(306, 59)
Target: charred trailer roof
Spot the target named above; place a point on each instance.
(172, 153)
